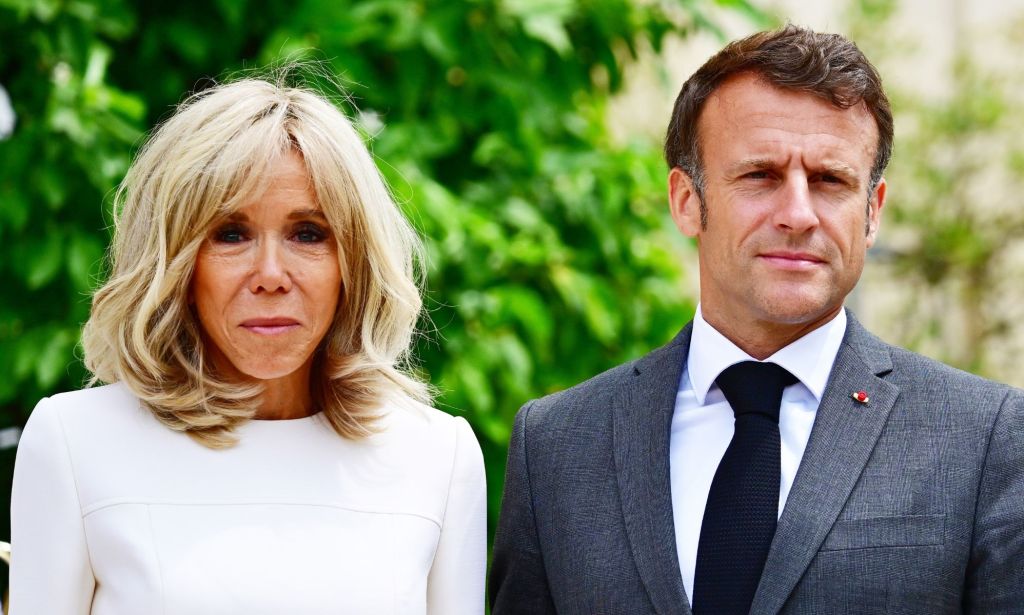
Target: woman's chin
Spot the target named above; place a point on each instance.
(266, 371)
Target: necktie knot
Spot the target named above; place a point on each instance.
(752, 387)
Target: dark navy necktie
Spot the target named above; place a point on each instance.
(743, 504)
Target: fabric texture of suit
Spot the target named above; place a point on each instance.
(910, 503)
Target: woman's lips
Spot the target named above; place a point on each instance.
(270, 326)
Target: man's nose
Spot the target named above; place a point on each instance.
(270, 269)
(795, 210)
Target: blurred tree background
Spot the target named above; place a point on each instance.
(551, 255)
(952, 240)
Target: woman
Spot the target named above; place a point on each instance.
(259, 449)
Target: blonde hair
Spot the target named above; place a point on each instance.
(209, 159)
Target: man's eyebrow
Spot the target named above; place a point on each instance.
(841, 169)
(748, 164)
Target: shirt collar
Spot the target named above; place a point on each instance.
(809, 358)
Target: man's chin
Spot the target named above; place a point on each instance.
(795, 311)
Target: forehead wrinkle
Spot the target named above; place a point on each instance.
(791, 125)
(767, 163)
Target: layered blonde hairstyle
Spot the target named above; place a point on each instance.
(208, 160)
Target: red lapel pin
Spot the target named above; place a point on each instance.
(861, 397)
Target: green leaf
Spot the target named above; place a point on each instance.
(592, 299)
(475, 385)
(549, 29)
(515, 358)
(54, 357)
(129, 106)
(43, 266)
(495, 428)
(26, 351)
(14, 209)
(436, 44)
(45, 10)
(544, 20)
(96, 65)
(526, 307)
(52, 185)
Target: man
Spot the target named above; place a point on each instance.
(775, 457)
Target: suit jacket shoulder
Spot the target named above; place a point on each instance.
(920, 477)
(926, 386)
(591, 401)
(586, 491)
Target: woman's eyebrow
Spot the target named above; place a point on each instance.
(307, 213)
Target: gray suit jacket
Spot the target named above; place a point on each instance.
(911, 503)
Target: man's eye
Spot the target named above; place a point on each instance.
(230, 233)
(310, 233)
(757, 175)
(831, 179)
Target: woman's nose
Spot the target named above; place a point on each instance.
(270, 271)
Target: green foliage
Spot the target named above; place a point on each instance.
(70, 148)
(551, 257)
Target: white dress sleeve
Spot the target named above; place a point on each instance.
(456, 582)
(50, 569)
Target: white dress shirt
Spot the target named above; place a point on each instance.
(703, 421)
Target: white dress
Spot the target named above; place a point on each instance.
(115, 514)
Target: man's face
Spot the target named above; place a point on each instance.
(789, 217)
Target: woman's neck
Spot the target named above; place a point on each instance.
(286, 398)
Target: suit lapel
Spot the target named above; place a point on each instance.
(843, 436)
(642, 417)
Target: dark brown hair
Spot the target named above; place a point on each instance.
(828, 66)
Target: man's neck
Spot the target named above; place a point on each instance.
(762, 339)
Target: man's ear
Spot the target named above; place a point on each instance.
(875, 205)
(684, 203)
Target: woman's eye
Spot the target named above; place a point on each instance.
(310, 233)
(230, 233)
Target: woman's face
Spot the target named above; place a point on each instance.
(267, 281)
